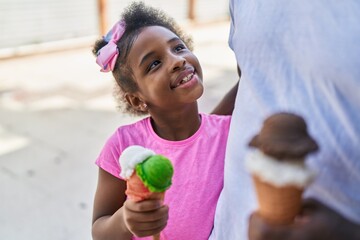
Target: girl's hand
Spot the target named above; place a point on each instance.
(316, 221)
(145, 218)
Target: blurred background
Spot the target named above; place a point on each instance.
(57, 108)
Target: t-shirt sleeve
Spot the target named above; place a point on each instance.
(109, 156)
(232, 25)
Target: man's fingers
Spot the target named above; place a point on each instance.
(259, 229)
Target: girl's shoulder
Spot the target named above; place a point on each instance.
(131, 133)
(215, 123)
(216, 119)
(138, 124)
(215, 116)
(124, 136)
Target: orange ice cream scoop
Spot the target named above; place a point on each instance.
(136, 190)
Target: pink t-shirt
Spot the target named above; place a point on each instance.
(198, 171)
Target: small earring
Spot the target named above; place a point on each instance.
(144, 106)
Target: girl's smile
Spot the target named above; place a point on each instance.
(185, 77)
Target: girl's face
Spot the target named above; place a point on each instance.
(167, 73)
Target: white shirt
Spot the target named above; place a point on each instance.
(302, 57)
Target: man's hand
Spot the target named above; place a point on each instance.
(315, 222)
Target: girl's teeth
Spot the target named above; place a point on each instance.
(185, 79)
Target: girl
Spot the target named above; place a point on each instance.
(157, 74)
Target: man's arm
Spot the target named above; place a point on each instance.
(226, 105)
(316, 221)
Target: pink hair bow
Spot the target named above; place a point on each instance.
(107, 55)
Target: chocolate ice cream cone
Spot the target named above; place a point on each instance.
(156, 236)
(277, 205)
(278, 166)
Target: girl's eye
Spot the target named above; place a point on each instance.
(179, 47)
(153, 64)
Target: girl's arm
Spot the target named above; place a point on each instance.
(116, 218)
(108, 218)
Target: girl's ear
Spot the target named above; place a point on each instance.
(136, 102)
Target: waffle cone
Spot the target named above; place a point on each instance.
(156, 236)
(137, 191)
(277, 205)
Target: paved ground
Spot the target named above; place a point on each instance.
(56, 110)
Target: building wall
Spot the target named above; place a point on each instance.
(25, 22)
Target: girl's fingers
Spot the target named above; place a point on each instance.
(151, 226)
(145, 218)
(143, 206)
(146, 223)
(149, 232)
(149, 216)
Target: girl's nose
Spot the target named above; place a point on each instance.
(178, 62)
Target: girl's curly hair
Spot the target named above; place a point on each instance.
(136, 16)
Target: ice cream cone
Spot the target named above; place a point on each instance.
(137, 191)
(147, 175)
(277, 205)
(278, 166)
(156, 236)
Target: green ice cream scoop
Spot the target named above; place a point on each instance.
(156, 173)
